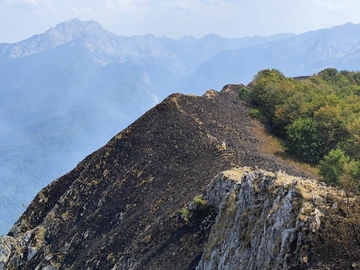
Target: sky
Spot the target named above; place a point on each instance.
(21, 19)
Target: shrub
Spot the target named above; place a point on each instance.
(185, 214)
(198, 200)
(331, 168)
(304, 140)
(255, 113)
(244, 93)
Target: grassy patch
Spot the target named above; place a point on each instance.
(255, 114)
(199, 201)
(185, 214)
(274, 146)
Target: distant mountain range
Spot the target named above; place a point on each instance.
(299, 55)
(66, 92)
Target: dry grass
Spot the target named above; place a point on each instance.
(236, 173)
(282, 179)
(40, 236)
(273, 146)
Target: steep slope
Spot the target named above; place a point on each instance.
(119, 208)
(277, 221)
(54, 111)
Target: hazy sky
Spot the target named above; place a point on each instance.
(20, 19)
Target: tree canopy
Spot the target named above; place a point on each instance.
(318, 118)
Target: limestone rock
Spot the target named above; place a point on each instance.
(270, 221)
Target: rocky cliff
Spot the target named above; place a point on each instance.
(277, 221)
(147, 200)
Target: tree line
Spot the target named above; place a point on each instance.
(317, 118)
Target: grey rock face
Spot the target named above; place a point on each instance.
(264, 221)
(7, 245)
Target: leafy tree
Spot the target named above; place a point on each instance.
(317, 118)
(269, 89)
(352, 169)
(304, 140)
(331, 127)
(264, 88)
(292, 109)
(244, 93)
(328, 73)
(332, 167)
(351, 146)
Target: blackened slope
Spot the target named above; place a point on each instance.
(36, 212)
(121, 206)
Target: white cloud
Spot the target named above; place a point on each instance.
(175, 18)
(180, 3)
(133, 6)
(27, 4)
(81, 10)
(335, 5)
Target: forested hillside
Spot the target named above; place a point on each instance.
(317, 117)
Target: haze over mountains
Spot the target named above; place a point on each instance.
(66, 92)
(304, 54)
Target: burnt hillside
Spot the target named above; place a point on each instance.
(119, 208)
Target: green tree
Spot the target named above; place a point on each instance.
(293, 108)
(269, 89)
(331, 127)
(304, 140)
(244, 93)
(352, 145)
(328, 73)
(314, 115)
(332, 167)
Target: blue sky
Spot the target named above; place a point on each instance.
(20, 19)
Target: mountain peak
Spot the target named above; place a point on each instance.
(211, 37)
(104, 46)
(75, 27)
(90, 32)
(349, 24)
(188, 37)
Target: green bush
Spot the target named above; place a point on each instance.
(255, 114)
(244, 93)
(199, 201)
(331, 168)
(313, 116)
(185, 214)
(304, 140)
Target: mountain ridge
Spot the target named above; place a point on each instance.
(299, 55)
(121, 207)
(98, 39)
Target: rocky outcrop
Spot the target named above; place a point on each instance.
(276, 221)
(7, 246)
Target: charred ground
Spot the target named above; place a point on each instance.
(119, 208)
